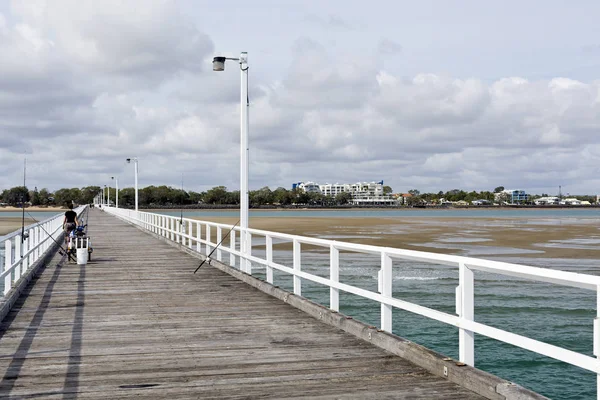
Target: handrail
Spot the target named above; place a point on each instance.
(20, 256)
(170, 227)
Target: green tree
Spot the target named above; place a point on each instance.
(88, 193)
(414, 192)
(195, 197)
(127, 197)
(66, 197)
(343, 198)
(499, 189)
(16, 196)
(35, 197)
(216, 195)
(45, 196)
(387, 190)
(261, 196)
(282, 196)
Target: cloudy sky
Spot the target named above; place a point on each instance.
(431, 95)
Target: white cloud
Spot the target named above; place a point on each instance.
(85, 85)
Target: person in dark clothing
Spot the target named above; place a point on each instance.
(70, 222)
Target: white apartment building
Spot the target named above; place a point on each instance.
(363, 193)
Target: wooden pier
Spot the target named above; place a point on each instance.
(136, 322)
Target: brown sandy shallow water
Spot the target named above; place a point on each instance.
(11, 224)
(477, 237)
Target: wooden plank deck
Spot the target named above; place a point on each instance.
(136, 322)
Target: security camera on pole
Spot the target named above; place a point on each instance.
(219, 65)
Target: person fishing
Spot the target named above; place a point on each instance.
(70, 222)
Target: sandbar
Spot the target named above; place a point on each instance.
(477, 237)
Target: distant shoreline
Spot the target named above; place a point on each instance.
(31, 209)
(354, 208)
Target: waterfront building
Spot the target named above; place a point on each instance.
(363, 193)
(515, 196)
(546, 201)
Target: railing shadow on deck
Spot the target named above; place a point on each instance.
(18, 358)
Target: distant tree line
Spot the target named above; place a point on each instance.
(166, 196)
(19, 195)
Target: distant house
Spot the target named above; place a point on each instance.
(402, 198)
(461, 203)
(481, 202)
(546, 201)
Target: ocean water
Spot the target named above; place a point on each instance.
(557, 315)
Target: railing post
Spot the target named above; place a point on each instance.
(177, 231)
(198, 237)
(30, 247)
(334, 276)
(190, 233)
(171, 228)
(232, 247)
(17, 257)
(25, 265)
(386, 290)
(269, 249)
(596, 347)
(297, 267)
(248, 252)
(36, 234)
(208, 248)
(219, 241)
(465, 300)
(7, 264)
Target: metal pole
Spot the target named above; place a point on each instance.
(117, 194)
(136, 184)
(107, 195)
(244, 203)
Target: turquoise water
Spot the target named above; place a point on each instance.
(553, 314)
(38, 215)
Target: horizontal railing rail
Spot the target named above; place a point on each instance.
(180, 230)
(20, 255)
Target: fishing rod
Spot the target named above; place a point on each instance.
(61, 250)
(23, 204)
(213, 250)
(182, 195)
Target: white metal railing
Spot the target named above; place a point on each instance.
(20, 255)
(170, 227)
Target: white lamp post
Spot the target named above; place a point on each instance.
(107, 196)
(219, 65)
(116, 191)
(135, 161)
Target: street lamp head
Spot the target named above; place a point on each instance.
(219, 63)
(128, 160)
